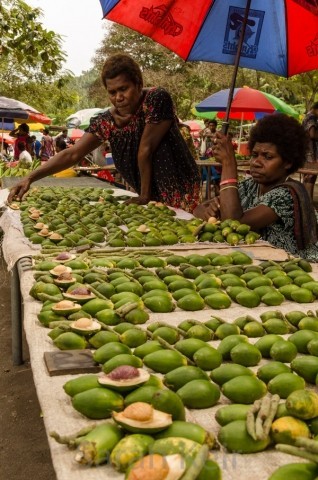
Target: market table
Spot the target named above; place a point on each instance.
(310, 168)
(58, 413)
(18, 250)
(211, 184)
(80, 181)
(208, 165)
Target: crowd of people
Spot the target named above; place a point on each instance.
(27, 147)
(153, 152)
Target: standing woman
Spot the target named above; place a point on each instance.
(47, 146)
(147, 147)
(21, 134)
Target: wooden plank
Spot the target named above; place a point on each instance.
(70, 362)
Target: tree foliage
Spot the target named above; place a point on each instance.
(24, 40)
(191, 82)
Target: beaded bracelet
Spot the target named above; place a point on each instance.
(228, 180)
(230, 186)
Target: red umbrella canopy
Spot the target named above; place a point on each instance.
(6, 138)
(75, 133)
(195, 125)
(15, 110)
(209, 30)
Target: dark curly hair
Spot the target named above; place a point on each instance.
(286, 133)
(24, 127)
(121, 64)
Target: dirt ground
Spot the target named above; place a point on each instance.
(24, 450)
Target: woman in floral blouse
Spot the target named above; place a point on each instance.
(147, 147)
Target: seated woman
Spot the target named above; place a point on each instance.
(272, 203)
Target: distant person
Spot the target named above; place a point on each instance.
(234, 142)
(146, 144)
(310, 124)
(47, 146)
(21, 134)
(36, 146)
(185, 131)
(207, 138)
(5, 147)
(25, 158)
(64, 136)
(60, 144)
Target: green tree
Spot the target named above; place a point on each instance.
(24, 41)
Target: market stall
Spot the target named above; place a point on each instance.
(58, 413)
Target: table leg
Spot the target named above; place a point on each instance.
(208, 181)
(20, 266)
(16, 318)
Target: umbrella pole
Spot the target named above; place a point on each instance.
(225, 124)
(241, 131)
(2, 138)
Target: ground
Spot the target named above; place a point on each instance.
(24, 450)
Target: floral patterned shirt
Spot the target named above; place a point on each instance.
(281, 233)
(175, 175)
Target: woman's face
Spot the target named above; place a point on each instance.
(266, 165)
(124, 94)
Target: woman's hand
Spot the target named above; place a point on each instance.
(223, 148)
(210, 208)
(138, 200)
(17, 192)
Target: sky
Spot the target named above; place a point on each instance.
(81, 25)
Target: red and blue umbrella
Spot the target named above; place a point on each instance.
(12, 110)
(276, 36)
(281, 36)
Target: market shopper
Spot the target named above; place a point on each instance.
(272, 203)
(147, 147)
(25, 158)
(185, 131)
(47, 146)
(36, 147)
(207, 136)
(64, 136)
(21, 134)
